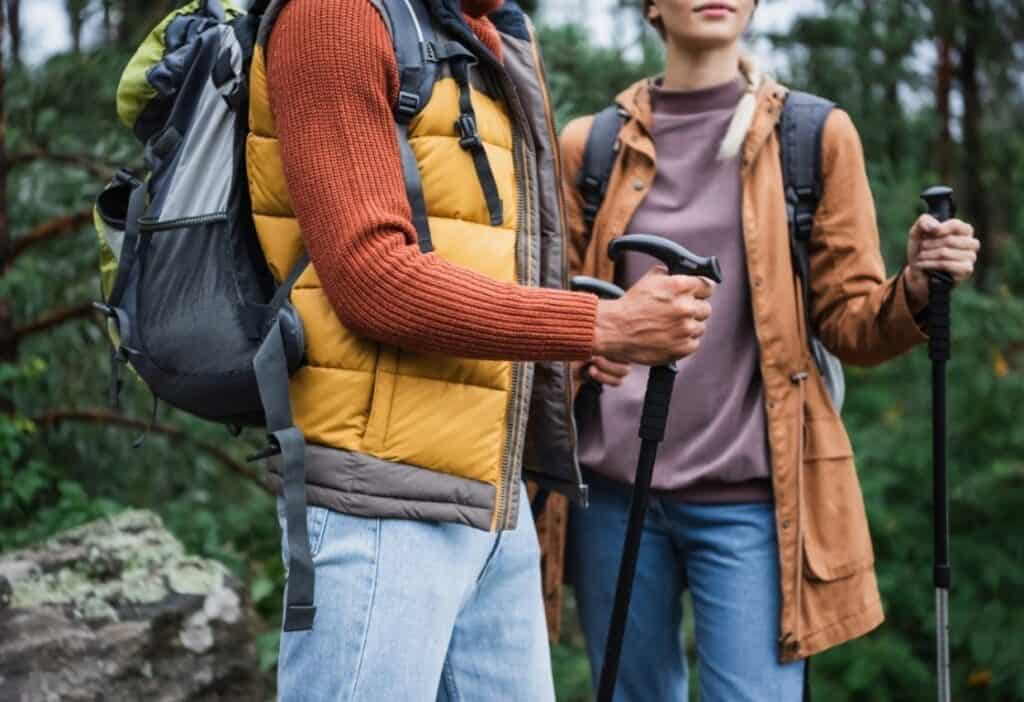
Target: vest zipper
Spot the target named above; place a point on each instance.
(512, 454)
(556, 151)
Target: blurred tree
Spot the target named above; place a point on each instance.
(6, 314)
(78, 13)
(14, 27)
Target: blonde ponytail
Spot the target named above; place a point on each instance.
(745, 110)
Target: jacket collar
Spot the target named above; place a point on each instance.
(636, 101)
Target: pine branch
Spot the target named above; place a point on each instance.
(44, 232)
(90, 164)
(54, 418)
(52, 319)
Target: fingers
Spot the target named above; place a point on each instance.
(958, 241)
(658, 270)
(607, 371)
(927, 227)
(700, 310)
(960, 270)
(604, 378)
(697, 286)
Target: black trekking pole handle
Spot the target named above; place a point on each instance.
(596, 286)
(653, 421)
(940, 206)
(676, 258)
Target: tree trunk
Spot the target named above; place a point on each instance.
(108, 21)
(76, 18)
(943, 91)
(975, 199)
(8, 347)
(14, 28)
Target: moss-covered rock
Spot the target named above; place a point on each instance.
(116, 610)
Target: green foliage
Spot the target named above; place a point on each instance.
(584, 78)
(36, 498)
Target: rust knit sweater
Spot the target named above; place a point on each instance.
(333, 79)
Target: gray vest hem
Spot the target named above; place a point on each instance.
(364, 486)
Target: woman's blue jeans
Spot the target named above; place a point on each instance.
(728, 558)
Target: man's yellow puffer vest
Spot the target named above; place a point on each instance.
(448, 415)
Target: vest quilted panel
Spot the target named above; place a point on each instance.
(439, 413)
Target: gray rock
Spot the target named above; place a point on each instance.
(115, 610)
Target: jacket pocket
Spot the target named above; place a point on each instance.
(381, 400)
(837, 541)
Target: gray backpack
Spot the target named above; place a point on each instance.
(800, 131)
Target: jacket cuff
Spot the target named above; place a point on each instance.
(900, 324)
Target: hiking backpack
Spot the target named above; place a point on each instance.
(801, 128)
(191, 304)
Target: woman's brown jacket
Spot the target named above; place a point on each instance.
(829, 591)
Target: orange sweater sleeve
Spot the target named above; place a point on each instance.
(332, 79)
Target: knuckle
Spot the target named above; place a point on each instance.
(684, 307)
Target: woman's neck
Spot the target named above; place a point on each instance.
(694, 70)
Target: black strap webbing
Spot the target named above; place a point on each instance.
(411, 33)
(598, 161)
(271, 367)
(284, 290)
(129, 247)
(470, 139)
(414, 189)
(801, 129)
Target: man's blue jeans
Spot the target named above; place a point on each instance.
(727, 556)
(411, 611)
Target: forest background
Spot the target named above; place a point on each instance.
(937, 90)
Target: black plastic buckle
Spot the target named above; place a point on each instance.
(430, 52)
(591, 184)
(408, 104)
(125, 176)
(470, 137)
(804, 221)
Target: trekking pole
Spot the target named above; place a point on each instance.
(941, 206)
(652, 432)
(590, 391)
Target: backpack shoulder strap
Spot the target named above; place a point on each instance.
(598, 160)
(801, 129)
(412, 32)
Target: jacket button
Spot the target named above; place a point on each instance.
(638, 185)
(785, 524)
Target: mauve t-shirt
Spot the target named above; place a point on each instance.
(715, 448)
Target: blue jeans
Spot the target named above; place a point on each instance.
(727, 556)
(419, 611)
